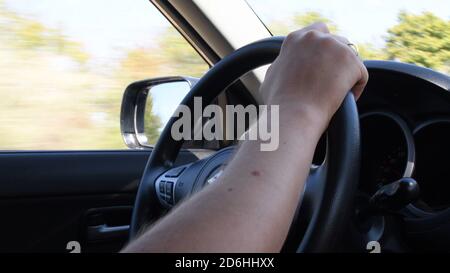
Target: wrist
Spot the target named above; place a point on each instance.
(303, 118)
(317, 116)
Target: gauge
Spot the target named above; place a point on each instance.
(387, 148)
(432, 167)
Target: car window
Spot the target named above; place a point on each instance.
(65, 64)
(411, 31)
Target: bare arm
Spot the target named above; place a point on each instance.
(251, 207)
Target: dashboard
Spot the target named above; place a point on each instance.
(405, 132)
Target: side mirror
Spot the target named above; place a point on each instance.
(147, 106)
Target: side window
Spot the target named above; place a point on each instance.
(65, 64)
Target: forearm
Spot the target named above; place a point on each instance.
(251, 207)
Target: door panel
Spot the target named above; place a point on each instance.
(50, 198)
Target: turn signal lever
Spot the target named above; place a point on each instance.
(396, 195)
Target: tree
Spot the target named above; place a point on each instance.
(300, 20)
(305, 19)
(139, 64)
(422, 39)
(368, 52)
(48, 90)
(152, 122)
(28, 34)
(179, 57)
(171, 55)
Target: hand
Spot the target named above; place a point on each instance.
(313, 73)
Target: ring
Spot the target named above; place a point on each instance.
(354, 48)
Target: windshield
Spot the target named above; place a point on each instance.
(411, 31)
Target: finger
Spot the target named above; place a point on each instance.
(319, 26)
(346, 42)
(341, 39)
(298, 34)
(358, 88)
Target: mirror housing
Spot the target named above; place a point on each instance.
(132, 112)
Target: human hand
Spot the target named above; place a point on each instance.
(313, 73)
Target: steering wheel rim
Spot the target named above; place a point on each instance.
(338, 175)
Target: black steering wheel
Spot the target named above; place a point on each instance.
(327, 200)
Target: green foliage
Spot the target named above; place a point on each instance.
(179, 56)
(422, 39)
(368, 52)
(43, 104)
(28, 34)
(172, 55)
(152, 123)
(301, 20)
(75, 107)
(139, 64)
(305, 19)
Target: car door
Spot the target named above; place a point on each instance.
(67, 180)
(51, 198)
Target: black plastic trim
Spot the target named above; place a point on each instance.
(426, 74)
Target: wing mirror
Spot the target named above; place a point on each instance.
(147, 106)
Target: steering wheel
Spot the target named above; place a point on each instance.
(327, 200)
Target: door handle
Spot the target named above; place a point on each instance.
(105, 232)
(108, 223)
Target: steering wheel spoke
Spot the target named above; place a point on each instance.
(166, 183)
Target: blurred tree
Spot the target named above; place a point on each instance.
(171, 55)
(59, 43)
(139, 64)
(420, 39)
(29, 34)
(305, 19)
(301, 20)
(50, 87)
(368, 52)
(279, 28)
(152, 122)
(49, 97)
(179, 57)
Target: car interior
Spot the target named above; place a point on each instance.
(379, 172)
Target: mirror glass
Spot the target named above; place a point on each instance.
(162, 101)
